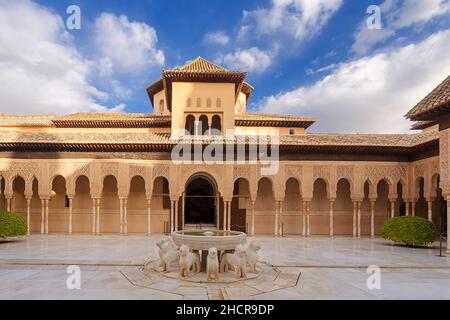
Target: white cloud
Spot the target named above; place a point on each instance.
(371, 94)
(126, 46)
(251, 60)
(278, 24)
(395, 15)
(218, 37)
(300, 19)
(41, 70)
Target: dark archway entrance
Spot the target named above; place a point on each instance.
(200, 202)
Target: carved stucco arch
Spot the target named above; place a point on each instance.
(213, 171)
(350, 182)
(327, 184)
(297, 180)
(205, 175)
(163, 177)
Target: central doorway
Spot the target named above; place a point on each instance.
(200, 202)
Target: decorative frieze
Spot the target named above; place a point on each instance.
(136, 170)
(293, 172)
(110, 168)
(241, 172)
(161, 170)
(321, 172)
(345, 172)
(391, 174)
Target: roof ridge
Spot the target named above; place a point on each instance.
(200, 64)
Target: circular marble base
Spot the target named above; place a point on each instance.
(153, 266)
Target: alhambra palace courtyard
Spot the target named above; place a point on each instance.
(99, 190)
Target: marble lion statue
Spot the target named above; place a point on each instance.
(164, 248)
(236, 260)
(212, 265)
(188, 260)
(251, 255)
(170, 255)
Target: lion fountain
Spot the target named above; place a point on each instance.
(210, 252)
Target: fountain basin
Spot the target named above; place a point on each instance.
(205, 239)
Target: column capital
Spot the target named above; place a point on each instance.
(357, 199)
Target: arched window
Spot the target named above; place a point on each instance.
(161, 105)
(188, 103)
(199, 103)
(208, 103)
(216, 125)
(203, 123)
(190, 123)
(218, 103)
(291, 131)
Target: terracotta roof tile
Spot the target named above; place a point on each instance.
(25, 120)
(11, 136)
(435, 101)
(201, 65)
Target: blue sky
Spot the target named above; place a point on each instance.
(314, 58)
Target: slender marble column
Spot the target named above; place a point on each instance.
(359, 219)
(253, 219)
(46, 215)
(430, 211)
(407, 208)
(307, 219)
(277, 208)
(149, 217)
(225, 215)
(121, 215)
(8, 204)
(125, 216)
(392, 209)
(97, 226)
(355, 205)
(304, 218)
(331, 218)
(28, 215)
(42, 216)
(229, 215)
(70, 214)
(372, 219)
(183, 210)
(280, 220)
(413, 208)
(93, 214)
(176, 215)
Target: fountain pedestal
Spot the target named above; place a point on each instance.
(201, 240)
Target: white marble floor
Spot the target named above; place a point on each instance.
(35, 268)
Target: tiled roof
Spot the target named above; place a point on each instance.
(420, 125)
(12, 139)
(143, 120)
(435, 102)
(198, 70)
(272, 120)
(274, 117)
(201, 65)
(11, 120)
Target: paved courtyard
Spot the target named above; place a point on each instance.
(316, 268)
